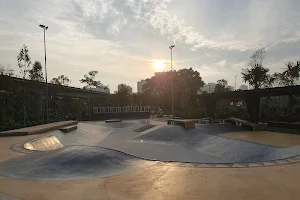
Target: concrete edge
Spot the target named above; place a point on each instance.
(52, 128)
(38, 131)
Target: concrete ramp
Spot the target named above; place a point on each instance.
(169, 135)
(204, 144)
(74, 162)
(234, 150)
(120, 124)
(144, 128)
(85, 134)
(46, 143)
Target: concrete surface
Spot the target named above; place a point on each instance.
(265, 137)
(37, 129)
(275, 180)
(173, 143)
(46, 143)
(6, 144)
(68, 128)
(204, 140)
(74, 162)
(169, 182)
(6, 197)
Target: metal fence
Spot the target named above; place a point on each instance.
(124, 109)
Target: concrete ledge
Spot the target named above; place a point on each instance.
(113, 120)
(251, 124)
(284, 125)
(68, 129)
(37, 129)
(187, 123)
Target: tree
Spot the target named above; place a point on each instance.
(24, 60)
(257, 75)
(257, 57)
(186, 82)
(185, 98)
(61, 80)
(5, 69)
(221, 86)
(123, 95)
(289, 77)
(89, 79)
(36, 72)
(291, 74)
(137, 99)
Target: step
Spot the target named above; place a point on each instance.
(187, 123)
(113, 120)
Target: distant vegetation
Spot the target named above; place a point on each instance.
(21, 107)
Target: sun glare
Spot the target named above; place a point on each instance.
(159, 65)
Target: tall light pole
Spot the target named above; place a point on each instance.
(171, 47)
(47, 110)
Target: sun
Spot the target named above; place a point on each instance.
(159, 65)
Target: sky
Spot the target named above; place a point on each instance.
(128, 40)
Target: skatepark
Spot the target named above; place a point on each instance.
(105, 149)
(93, 151)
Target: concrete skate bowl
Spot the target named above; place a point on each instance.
(202, 145)
(69, 163)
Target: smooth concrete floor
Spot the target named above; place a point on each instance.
(266, 137)
(169, 182)
(5, 144)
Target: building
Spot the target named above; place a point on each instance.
(104, 90)
(243, 87)
(209, 88)
(124, 85)
(140, 86)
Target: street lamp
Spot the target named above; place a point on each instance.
(45, 28)
(171, 47)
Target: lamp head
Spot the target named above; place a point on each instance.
(43, 26)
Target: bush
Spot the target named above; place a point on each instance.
(179, 113)
(197, 114)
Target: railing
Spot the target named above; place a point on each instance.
(124, 109)
(143, 121)
(206, 120)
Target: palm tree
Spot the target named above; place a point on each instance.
(289, 77)
(291, 74)
(256, 76)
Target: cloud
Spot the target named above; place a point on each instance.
(262, 19)
(119, 38)
(222, 63)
